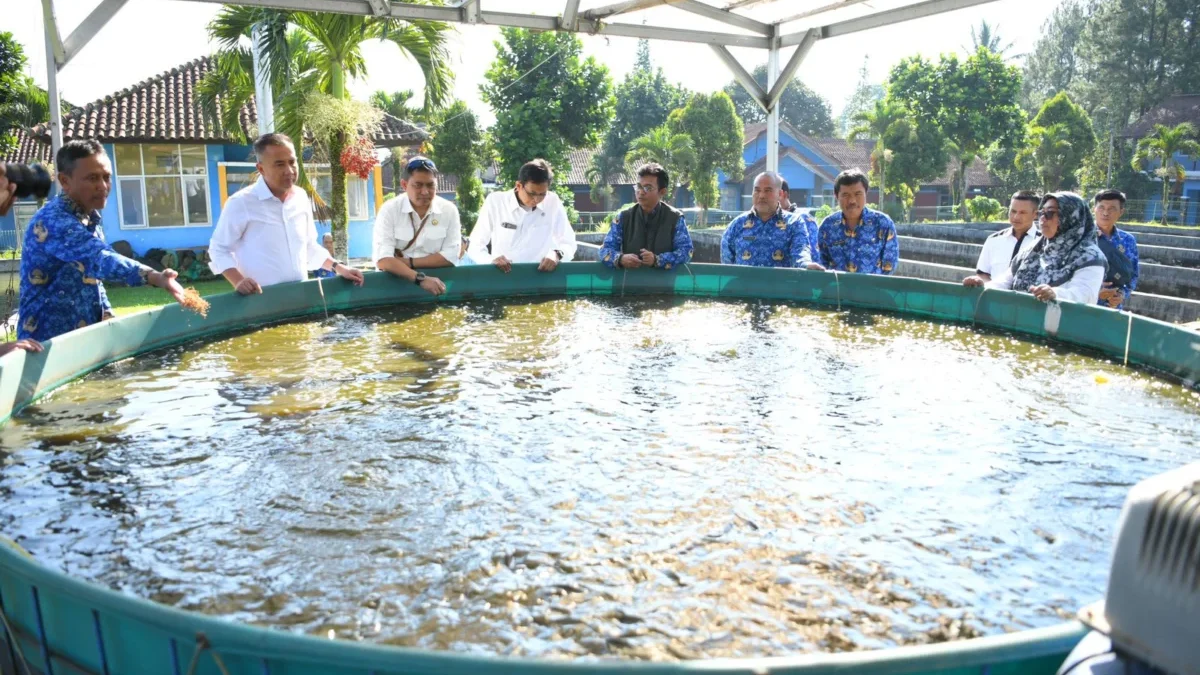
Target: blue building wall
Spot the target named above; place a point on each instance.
(1186, 207)
(803, 181)
(144, 238)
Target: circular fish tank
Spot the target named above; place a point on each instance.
(720, 469)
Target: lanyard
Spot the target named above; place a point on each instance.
(416, 228)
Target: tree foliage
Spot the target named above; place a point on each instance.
(1052, 65)
(23, 104)
(862, 100)
(801, 107)
(566, 102)
(675, 151)
(308, 52)
(1060, 138)
(643, 100)
(973, 102)
(716, 132)
(881, 123)
(458, 148)
(1133, 54)
(988, 37)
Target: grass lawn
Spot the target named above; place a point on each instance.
(127, 300)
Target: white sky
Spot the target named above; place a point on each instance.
(151, 36)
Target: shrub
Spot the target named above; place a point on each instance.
(984, 209)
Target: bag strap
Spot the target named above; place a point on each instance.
(417, 230)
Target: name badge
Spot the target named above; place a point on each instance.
(509, 226)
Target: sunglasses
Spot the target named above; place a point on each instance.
(420, 164)
(1047, 215)
(646, 188)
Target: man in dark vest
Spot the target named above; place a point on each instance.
(650, 233)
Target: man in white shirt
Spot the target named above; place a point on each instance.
(266, 234)
(1000, 248)
(418, 229)
(527, 224)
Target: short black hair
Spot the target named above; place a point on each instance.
(850, 177)
(1028, 196)
(535, 171)
(271, 140)
(1106, 195)
(73, 151)
(783, 186)
(656, 170)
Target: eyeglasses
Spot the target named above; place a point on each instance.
(531, 193)
(1047, 215)
(645, 188)
(420, 164)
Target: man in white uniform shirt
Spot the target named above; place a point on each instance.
(1001, 247)
(266, 234)
(527, 224)
(418, 229)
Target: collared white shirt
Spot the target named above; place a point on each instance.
(397, 223)
(522, 235)
(998, 250)
(268, 240)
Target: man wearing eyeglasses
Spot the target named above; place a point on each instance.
(417, 230)
(527, 224)
(650, 233)
(266, 234)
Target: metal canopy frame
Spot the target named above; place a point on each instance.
(744, 31)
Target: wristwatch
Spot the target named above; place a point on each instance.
(559, 254)
(333, 267)
(419, 278)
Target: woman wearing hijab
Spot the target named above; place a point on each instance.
(1066, 263)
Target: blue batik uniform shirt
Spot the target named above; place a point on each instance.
(1125, 243)
(63, 259)
(779, 241)
(871, 247)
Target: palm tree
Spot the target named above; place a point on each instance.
(989, 38)
(25, 105)
(396, 105)
(675, 151)
(887, 117)
(600, 174)
(307, 52)
(1161, 147)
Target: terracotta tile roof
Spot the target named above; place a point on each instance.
(163, 109)
(1173, 111)
(28, 149)
(581, 161)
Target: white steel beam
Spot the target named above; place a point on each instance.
(452, 15)
(738, 4)
(793, 64)
(725, 16)
(570, 15)
(742, 76)
(773, 82)
(840, 4)
(54, 56)
(54, 44)
(886, 18)
(624, 7)
(471, 10)
(87, 30)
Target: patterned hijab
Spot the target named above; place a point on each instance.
(1074, 247)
